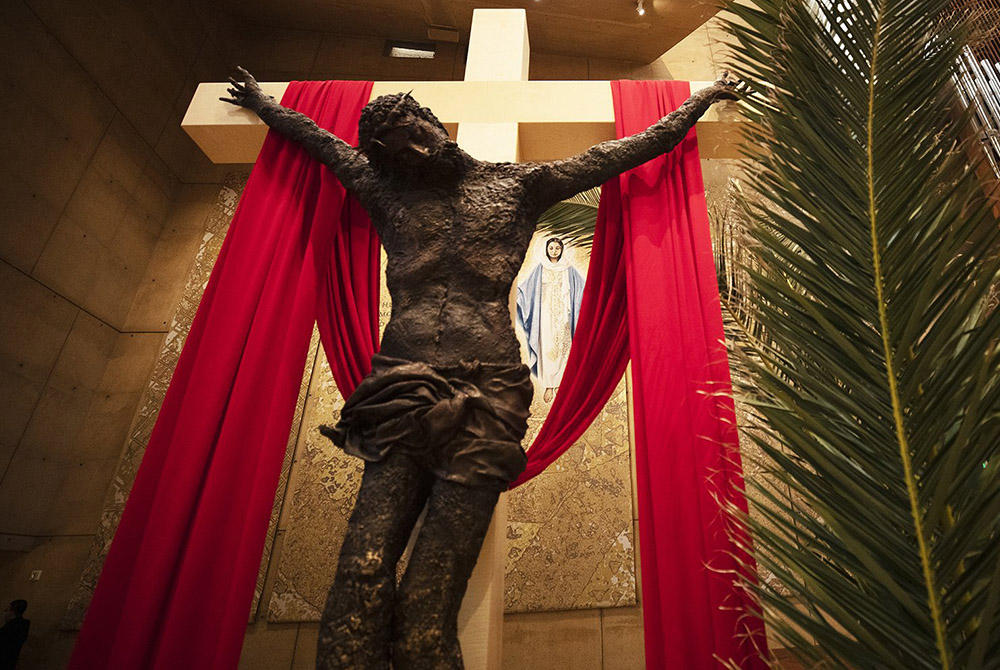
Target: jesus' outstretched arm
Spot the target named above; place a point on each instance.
(349, 164)
(561, 179)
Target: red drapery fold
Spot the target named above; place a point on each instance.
(599, 352)
(687, 453)
(651, 292)
(179, 577)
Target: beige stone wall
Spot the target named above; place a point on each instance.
(103, 201)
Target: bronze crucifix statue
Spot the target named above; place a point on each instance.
(440, 418)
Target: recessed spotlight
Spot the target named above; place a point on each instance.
(639, 8)
(409, 49)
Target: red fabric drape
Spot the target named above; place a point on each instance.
(651, 292)
(687, 454)
(179, 577)
(599, 353)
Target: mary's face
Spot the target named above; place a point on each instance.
(554, 250)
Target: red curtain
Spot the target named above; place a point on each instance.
(179, 577)
(599, 353)
(687, 454)
(651, 292)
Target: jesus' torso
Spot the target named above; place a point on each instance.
(453, 253)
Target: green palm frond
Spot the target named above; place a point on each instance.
(876, 390)
(573, 220)
(732, 246)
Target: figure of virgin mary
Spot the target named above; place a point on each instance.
(548, 306)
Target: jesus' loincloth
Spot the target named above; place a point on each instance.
(464, 422)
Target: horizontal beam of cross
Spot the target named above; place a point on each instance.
(557, 118)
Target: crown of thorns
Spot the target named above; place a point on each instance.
(386, 108)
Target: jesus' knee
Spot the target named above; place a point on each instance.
(368, 574)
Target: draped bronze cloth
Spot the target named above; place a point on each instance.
(464, 422)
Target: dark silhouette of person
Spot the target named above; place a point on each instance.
(441, 417)
(13, 634)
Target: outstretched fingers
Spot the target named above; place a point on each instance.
(248, 79)
(243, 93)
(238, 94)
(729, 89)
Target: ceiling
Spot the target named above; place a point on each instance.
(589, 28)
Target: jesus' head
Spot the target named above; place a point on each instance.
(400, 136)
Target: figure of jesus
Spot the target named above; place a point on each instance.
(440, 418)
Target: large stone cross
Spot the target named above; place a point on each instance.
(545, 120)
(497, 115)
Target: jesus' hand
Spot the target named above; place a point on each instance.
(246, 93)
(725, 88)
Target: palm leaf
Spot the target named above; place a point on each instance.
(732, 245)
(875, 390)
(573, 220)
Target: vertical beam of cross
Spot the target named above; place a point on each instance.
(498, 51)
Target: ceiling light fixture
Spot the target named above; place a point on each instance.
(639, 8)
(409, 49)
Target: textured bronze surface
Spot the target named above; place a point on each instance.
(455, 230)
(570, 543)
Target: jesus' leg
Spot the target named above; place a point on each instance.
(355, 629)
(425, 635)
